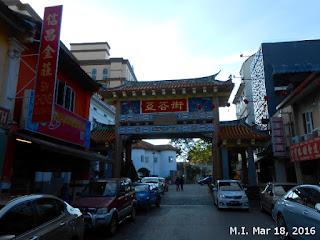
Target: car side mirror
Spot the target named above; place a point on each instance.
(214, 189)
(317, 207)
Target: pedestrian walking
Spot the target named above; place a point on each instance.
(177, 182)
(181, 181)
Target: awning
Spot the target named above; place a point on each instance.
(55, 147)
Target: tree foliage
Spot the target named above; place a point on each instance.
(144, 172)
(184, 145)
(201, 152)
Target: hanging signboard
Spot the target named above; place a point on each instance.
(306, 150)
(278, 140)
(47, 64)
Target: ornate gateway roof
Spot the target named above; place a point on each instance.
(195, 87)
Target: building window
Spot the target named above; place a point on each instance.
(147, 159)
(155, 159)
(142, 158)
(170, 159)
(94, 74)
(64, 96)
(307, 122)
(105, 74)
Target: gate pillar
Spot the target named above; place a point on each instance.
(225, 162)
(116, 169)
(216, 153)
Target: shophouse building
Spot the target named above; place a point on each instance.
(48, 156)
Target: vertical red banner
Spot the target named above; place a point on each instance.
(47, 64)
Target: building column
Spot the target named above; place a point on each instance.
(225, 162)
(244, 168)
(280, 170)
(298, 173)
(251, 168)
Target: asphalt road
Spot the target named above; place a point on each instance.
(191, 215)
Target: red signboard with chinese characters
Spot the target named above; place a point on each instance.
(171, 105)
(47, 64)
(306, 150)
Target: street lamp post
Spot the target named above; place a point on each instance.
(153, 163)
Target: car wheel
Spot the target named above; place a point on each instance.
(282, 223)
(158, 202)
(133, 214)
(113, 226)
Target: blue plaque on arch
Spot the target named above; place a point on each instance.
(130, 107)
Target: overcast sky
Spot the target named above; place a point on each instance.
(178, 39)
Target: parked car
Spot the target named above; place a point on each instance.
(298, 211)
(230, 194)
(147, 194)
(40, 216)
(155, 180)
(272, 192)
(205, 180)
(106, 202)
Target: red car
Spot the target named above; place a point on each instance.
(106, 202)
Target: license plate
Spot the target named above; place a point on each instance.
(234, 202)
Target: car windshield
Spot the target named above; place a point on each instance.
(150, 180)
(229, 186)
(280, 190)
(141, 188)
(99, 189)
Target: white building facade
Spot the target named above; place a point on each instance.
(160, 160)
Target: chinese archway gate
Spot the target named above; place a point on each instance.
(187, 108)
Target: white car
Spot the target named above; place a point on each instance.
(230, 194)
(156, 181)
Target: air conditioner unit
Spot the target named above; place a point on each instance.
(316, 133)
(296, 139)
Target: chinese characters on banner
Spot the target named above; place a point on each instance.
(306, 150)
(278, 140)
(156, 106)
(47, 64)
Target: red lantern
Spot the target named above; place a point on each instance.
(300, 88)
(228, 104)
(266, 98)
(318, 82)
(128, 104)
(283, 92)
(199, 107)
(102, 99)
(213, 106)
(246, 101)
(115, 101)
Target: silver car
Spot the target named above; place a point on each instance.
(298, 213)
(40, 216)
(272, 192)
(230, 194)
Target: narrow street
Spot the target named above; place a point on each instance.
(191, 214)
